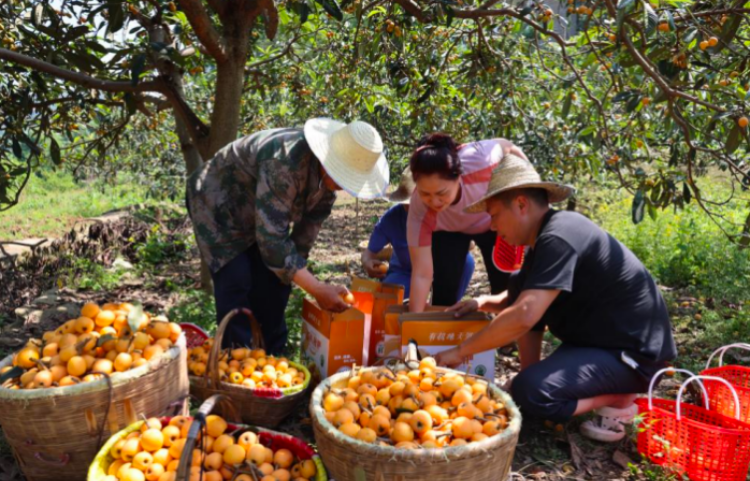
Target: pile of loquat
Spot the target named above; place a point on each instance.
(421, 408)
(153, 454)
(250, 368)
(99, 341)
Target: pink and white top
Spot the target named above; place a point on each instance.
(478, 160)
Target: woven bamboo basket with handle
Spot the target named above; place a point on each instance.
(271, 439)
(55, 433)
(260, 406)
(350, 459)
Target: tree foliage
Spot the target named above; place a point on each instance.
(653, 92)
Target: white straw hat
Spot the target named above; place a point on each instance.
(352, 155)
(402, 194)
(513, 172)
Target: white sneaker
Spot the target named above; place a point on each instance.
(609, 424)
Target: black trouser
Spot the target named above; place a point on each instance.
(551, 388)
(449, 251)
(246, 282)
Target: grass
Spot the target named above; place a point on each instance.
(53, 202)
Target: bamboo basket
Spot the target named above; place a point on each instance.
(55, 433)
(261, 406)
(350, 459)
(271, 439)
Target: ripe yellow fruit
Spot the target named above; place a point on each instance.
(713, 41)
(152, 440)
(234, 455)
(90, 310)
(27, 358)
(77, 366)
(742, 122)
(663, 27)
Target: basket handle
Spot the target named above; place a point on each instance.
(62, 461)
(708, 378)
(199, 422)
(722, 350)
(652, 384)
(212, 367)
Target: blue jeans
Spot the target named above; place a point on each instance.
(246, 282)
(403, 278)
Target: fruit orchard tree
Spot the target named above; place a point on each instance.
(653, 92)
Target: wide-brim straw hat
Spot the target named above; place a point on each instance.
(513, 172)
(351, 154)
(402, 194)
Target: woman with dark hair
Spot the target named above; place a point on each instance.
(449, 178)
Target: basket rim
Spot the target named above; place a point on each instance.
(498, 440)
(285, 392)
(117, 378)
(740, 431)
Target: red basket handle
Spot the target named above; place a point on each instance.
(64, 459)
(690, 375)
(708, 378)
(722, 350)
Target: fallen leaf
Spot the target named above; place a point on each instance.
(621, 459)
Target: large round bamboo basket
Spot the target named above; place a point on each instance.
(260, 407)
(55, 433)
(350, 459)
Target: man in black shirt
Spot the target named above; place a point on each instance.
(588, 289)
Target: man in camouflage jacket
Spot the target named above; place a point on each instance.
(257, 207)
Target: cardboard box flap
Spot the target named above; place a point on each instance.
(442, 317)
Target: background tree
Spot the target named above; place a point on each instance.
(653, 93)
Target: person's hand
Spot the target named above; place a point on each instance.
(331, 297)
(375, 268)
(461, 308)
(450, 358)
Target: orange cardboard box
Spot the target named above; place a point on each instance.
(333, 342)
(392, 329)
(439, 331)
(385, 295)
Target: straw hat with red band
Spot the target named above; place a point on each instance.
(351, 154)
(513, 172)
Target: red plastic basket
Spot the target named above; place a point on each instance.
(506, 257)
(692, 440)
(720, 398)
(194, 335)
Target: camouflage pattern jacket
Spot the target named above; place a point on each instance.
(264, 188)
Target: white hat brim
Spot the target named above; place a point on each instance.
(364, 185)
(555, 192)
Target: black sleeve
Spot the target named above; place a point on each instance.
(554, 265)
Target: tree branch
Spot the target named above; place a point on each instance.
(200, 20)
(79, 78)
(412, 9)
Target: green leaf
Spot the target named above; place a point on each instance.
(686, 194)
(135, 318)
(105, 339)
(449, 16)
(332, 8)
(733, 141)
(116, 16)
(37, 16)
(17, 151)
(12, 373)
(639, 205)
(625, 4)
(54, 151)
(139, 63)
(566, 105)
